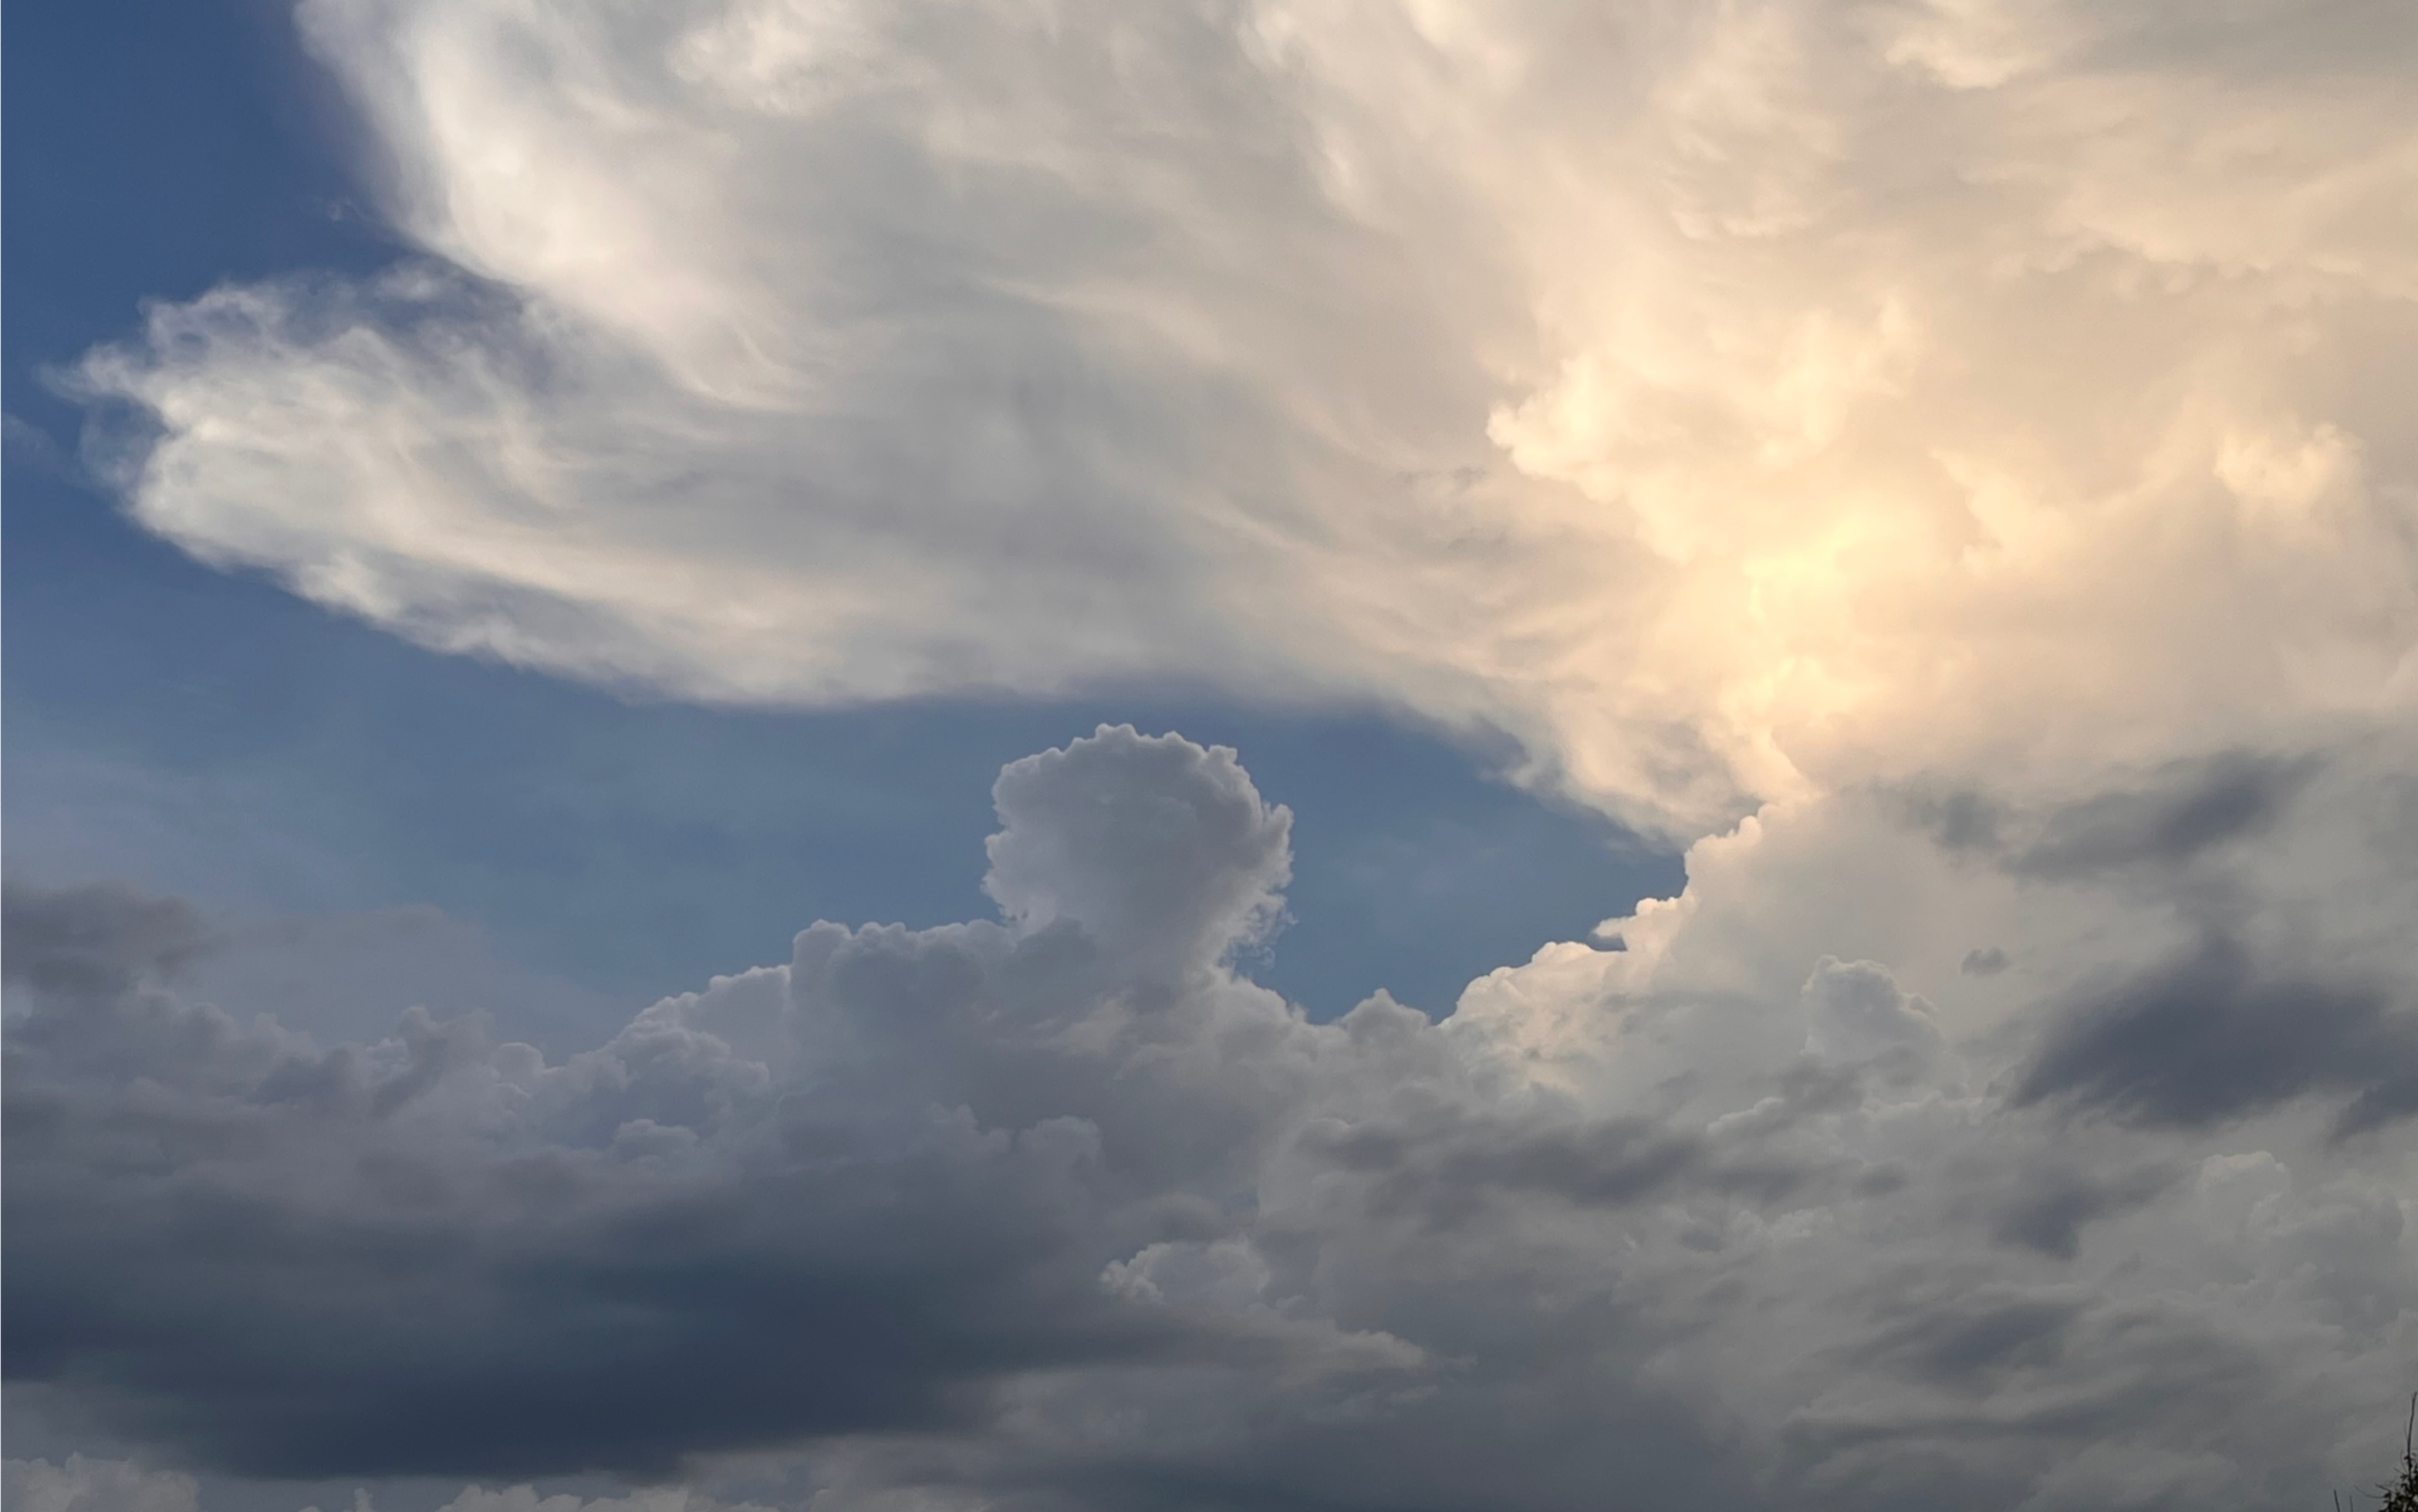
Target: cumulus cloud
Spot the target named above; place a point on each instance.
(1059, 1209)
(1159, 848)
(1729, 402)
(1943, 462)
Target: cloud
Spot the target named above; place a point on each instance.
(667, 1245)
(96, 941)
(1728, 405)
(27, 445)
(1945, 464)
(2200, 805)
(2049, 1209)
(348, 975)
(1060, 1210)
(1983, 961)
(83, 1485)
(2210, 1036)
(1856, 1012)
(87, 1485)
(1184, 859)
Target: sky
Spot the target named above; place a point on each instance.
(1022, 753)
(206, 733)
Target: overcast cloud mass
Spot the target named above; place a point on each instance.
(1946, 463)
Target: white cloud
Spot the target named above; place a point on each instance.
(529, 1499)
(1737, 401)
(83, 1485)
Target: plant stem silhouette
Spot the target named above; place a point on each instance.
(2402, 1495)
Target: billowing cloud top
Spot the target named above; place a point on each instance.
(1730, 401)
(1059, 1211)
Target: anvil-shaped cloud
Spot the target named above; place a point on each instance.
(1729, 401)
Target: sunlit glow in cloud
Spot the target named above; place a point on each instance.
(1730, 401)
(1950, 463)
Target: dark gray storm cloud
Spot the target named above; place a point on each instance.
(2213, 1034)
(1957, 1338)
(96, 941)
(312, 1270)
(2047, 1207)
(2179, 814)
(1058, 1211)
(2188, 809)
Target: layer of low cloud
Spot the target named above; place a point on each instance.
(1776, 1206)
(1729, 402)
(85, 1484)
(335, 976)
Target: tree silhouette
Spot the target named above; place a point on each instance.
(2402, 1495)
